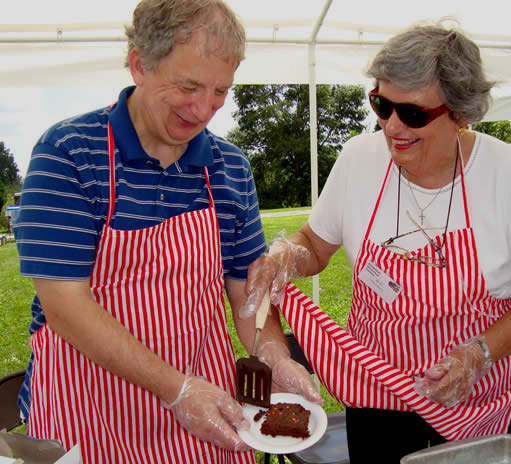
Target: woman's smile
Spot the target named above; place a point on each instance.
(403, 144)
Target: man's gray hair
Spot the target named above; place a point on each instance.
(158, 25)
(425, 54)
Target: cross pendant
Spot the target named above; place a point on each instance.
(421, 215)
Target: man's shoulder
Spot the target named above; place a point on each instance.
(86, 127)
(222, 147)
(229, 160)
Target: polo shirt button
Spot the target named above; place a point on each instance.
(161, 196)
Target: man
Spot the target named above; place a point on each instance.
(134, 218)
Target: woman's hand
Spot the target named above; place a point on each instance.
(450, 381)
(272, 270)
(209, 413)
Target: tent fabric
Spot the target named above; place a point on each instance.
(71, 43)
(35, 35)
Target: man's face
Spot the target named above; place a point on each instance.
(179, 99)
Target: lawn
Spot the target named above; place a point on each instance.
(16, 294)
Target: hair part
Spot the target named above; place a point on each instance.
(426, 54)
(158, 25)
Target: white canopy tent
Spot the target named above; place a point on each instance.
(70, 42)
(67, 42)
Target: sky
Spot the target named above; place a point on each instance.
(25, 113)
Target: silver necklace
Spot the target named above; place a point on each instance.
(421, 215)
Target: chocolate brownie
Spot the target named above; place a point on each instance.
(287, 419)
(260, 414)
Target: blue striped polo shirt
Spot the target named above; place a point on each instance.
(64, 202)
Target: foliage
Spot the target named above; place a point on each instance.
(499, 129)
(9, 172)
(3, 196)
(274, 131)
(10, 180)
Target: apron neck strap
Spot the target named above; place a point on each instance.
(111, 160)
(462, 177)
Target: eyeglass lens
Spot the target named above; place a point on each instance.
(412, 115)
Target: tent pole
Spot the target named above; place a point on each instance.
(314, 125)
(314, 147)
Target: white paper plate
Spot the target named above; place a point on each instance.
(281, 445)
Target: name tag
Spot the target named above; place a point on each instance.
(379, 282)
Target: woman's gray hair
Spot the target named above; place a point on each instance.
(158, 25)
(425, 54)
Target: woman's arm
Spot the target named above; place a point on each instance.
(302, 254)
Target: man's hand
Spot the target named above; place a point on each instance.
(209, 413)
(288, 375)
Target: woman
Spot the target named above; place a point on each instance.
(421, 209)
(134, 219)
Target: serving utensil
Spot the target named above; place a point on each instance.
(253, 377)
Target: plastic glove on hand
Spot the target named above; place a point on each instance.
(209, 413)
(273, 270)
(287, 375)
(450, 381)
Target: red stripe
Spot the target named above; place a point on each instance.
(111, 155)
(378, 201)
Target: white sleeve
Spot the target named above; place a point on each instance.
(326, 219)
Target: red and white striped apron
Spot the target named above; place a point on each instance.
(372, 363)
(165, 285)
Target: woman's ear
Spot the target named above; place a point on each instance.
(136, 67)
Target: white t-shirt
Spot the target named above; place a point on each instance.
(342, 213)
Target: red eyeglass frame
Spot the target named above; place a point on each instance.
(432, 113)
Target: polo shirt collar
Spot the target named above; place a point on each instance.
(198, 153)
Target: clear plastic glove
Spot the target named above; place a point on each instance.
(209, 413)
(288, 375)
(450, 381)
(273, 270)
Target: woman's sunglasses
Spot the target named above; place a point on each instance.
(412, 115)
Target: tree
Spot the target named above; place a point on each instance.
(274, 131)
(499, 129)
(10, 181)
(8, 168)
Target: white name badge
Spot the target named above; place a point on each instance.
(381, 283)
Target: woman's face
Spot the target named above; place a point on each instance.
(421, 152)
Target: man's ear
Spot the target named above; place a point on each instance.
(136, 68)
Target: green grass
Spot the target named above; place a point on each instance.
(16, 294)
(280, 210)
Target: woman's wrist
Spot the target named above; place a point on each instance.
(488, 360)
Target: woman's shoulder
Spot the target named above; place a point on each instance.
(366, 152)
(370, 141)
(491, 150)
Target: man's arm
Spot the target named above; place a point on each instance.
(74, 315)
(199, 406)
(246, 327)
